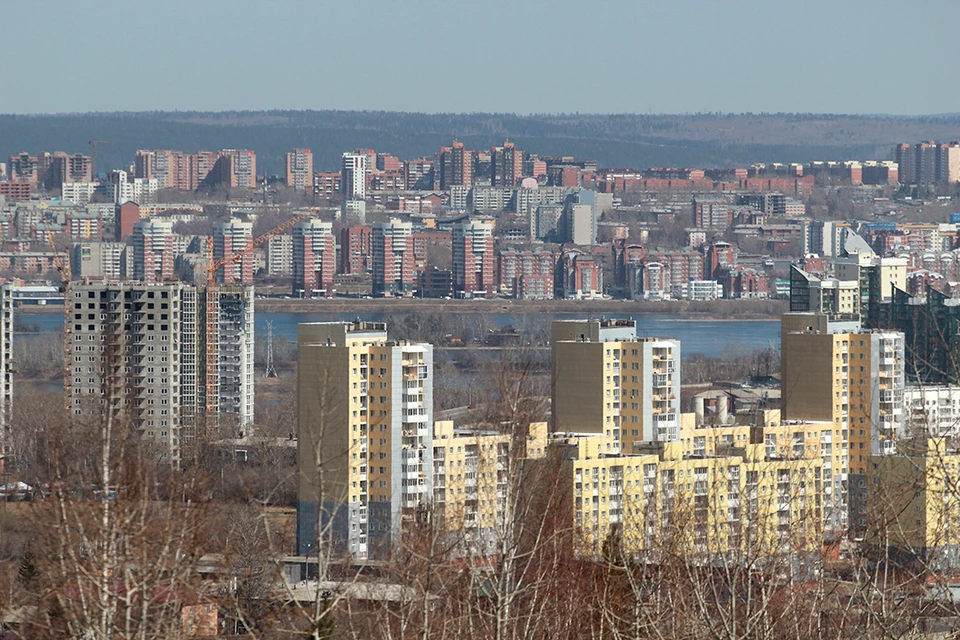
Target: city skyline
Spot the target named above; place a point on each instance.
(632, 58)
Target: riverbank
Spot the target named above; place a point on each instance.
(715, 310)
(712, 310)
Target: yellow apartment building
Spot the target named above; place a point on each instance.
(833, 372)
(660, 501)
(474, 477)
(914, 504)
(606, 380)
(365, 431)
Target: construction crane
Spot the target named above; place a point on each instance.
(211, 305)
(93, 157)
(63, 268)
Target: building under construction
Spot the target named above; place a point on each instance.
(6, 365)
(173, 360)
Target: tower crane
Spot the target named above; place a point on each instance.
(63, 268)
(210, 306)
(93, 157)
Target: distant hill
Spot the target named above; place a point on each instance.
(614, 140)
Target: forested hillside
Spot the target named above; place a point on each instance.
(616, 140)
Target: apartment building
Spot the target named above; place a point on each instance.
(353, 176)
(875, 275)
(607, 380)
(356, 252)
(234, 168)
(914, 505)
(927, 162)
(229, 238)
(827, 295)
(108, 260)
(932, 410)
(393, 258)
(300, 169)
(526, 274)
(738, 502)
(6, 365)
(476, 476)
(314, 258)
(418, 174)
(278, 252)
(148, 354)
(579, 276)
(712, 213)
(456, 166)
(84, 225)
(153, 252)
(506, 165)
(365, 436)
(834, 372)
(473, 259)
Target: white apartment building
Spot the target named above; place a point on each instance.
(933, 410)
(353, 176)
(279, 254)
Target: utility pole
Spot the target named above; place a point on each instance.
(269, 371)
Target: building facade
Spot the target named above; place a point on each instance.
(300, 169)
(607, 381)
(393, 258)
(365, 437)
(314, 258)
(149, 355)
(229, 238)
(473, 259)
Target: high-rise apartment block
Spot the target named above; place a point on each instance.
(456, 166)
(6, 365)
(579, 276)
(393, 258)
(153, 251)
(526, 275)
(928, 162)
(188, 171)
(473, 259)
(149, 355)
(506, 165)
(229, 238)
(476, 475)
(834, 372)
(353, 176)
(365, 436)
(419, 174)
(300, 169)
(108, 260)
(608, 381)
(279, 255)
(356, 253)
(314, 258)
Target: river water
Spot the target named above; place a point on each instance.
(696, 335)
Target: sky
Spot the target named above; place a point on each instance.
(521, 56)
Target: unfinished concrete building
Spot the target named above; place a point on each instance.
(174, 361)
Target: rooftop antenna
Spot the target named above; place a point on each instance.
(269, 371)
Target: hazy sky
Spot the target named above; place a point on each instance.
(525, 56)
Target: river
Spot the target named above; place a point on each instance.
(696, 335)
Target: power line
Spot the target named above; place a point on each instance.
(269, 371)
